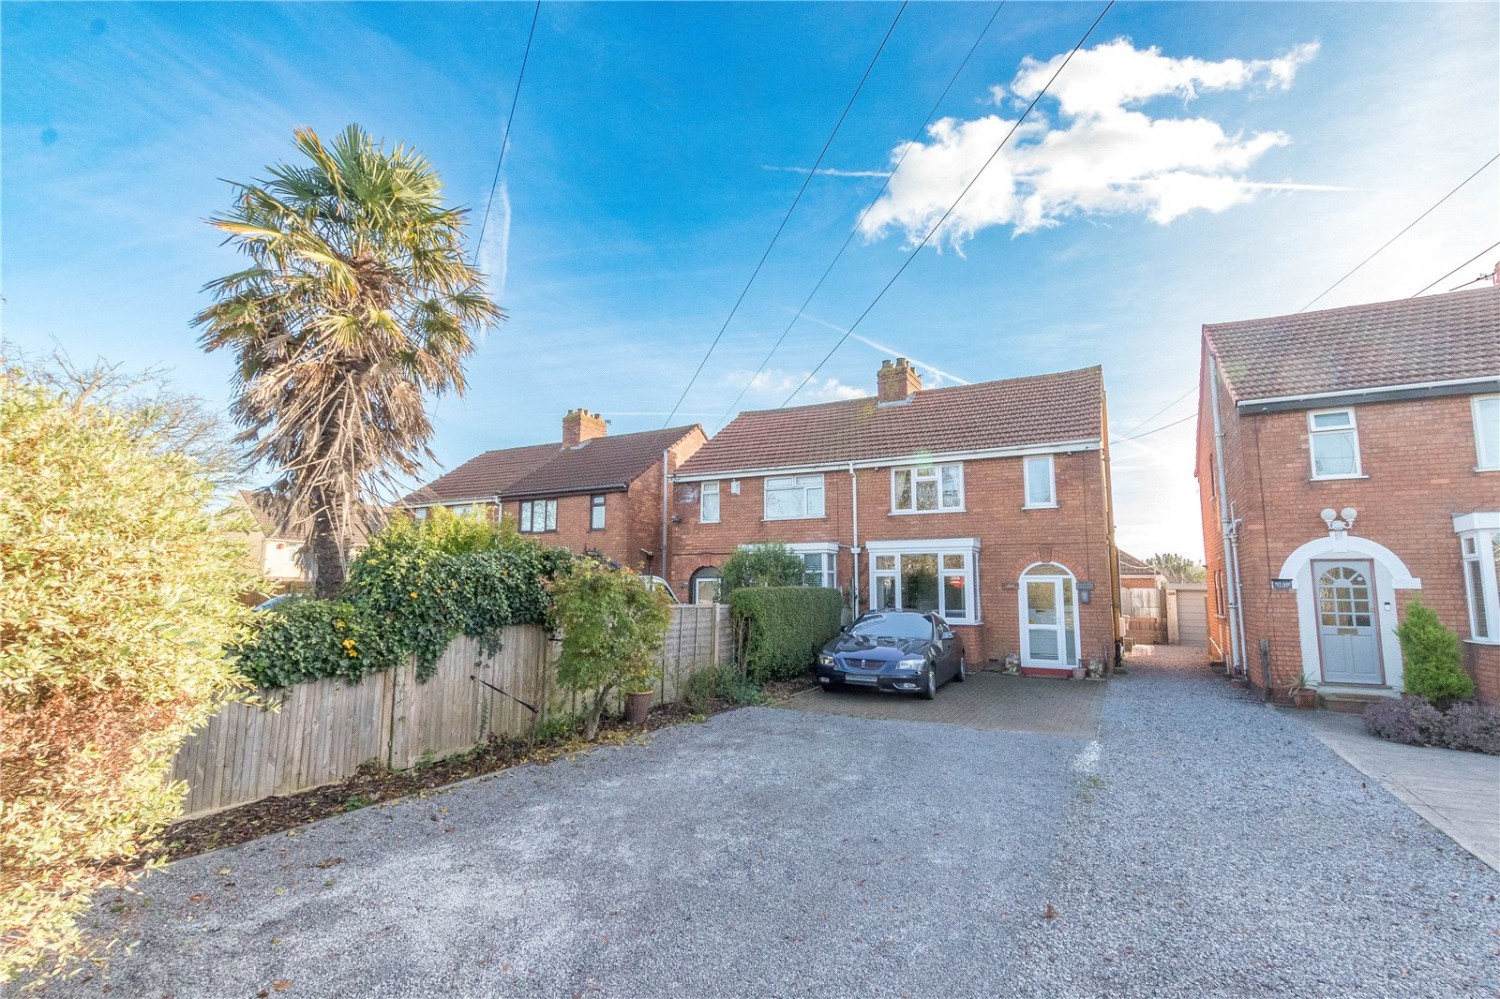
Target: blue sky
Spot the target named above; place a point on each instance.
(1250, 154)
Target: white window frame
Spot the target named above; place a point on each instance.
(1486, 462)
(706, 490)
(1051, 482)
(1314, 431)
(529, 511)
(808, 484)
(967, 547)
(1477, 533)
(828, 552)
(598, 512)
(934, 474)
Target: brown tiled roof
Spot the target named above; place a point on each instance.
(487, 475)
(1414, 340)
(1014, 412)
(1132, 566)
(598, 465)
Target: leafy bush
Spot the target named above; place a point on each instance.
(1471, 727)
(1434, 661)
(718, 683)
(117, 594)
(781, 628)
(761, 565)
(612, 626)
(305, 639)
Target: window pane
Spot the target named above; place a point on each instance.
(953, 561)
(1324, 421)
(1477, 610)
(783, 503)
(526, 517)
(953, 597)
(1333, 454)
(1487, 431)
(953, 496)
(902, 490)
(885, 593)
(1039, 480)
(596, 513)
(926, 495)
(551, 515)
(885, 563)
(919, 582)
(708, 503)
(815, 500)
(708, 591)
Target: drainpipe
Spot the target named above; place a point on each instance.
(1237, 608)
(1228, 530)
(666, 509)
(854, 548)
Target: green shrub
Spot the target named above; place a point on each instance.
(612, 626)
(305, 639)
(117, 594)
(761, 565)
(1434, 660)
(781, 628)
(719, 683)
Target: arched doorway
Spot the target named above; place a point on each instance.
(1049, 617)
(703, 587)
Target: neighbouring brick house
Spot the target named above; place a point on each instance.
(588, 492)
(1349, 461)
(987, 503)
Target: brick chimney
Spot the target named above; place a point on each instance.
(897, 381)
(580, 425)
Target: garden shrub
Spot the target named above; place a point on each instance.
(305, 639)
(718, 683)
(781, 628)
(612, 626)
(761, 565)
(1434, 660)
(1471, 727)
(118, 592)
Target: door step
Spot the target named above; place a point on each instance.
(1348, 702)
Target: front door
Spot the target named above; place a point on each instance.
(1044, 623)
(1348, 623)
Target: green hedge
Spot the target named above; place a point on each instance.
(781, 628)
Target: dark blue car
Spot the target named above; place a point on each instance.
(896, 651)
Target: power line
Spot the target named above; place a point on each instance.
(505, 139)
(777, 235)
(951, 208)
(1164, 426)
(1168, 406)
(868, 208)
(1460, 267)
(1403, 232)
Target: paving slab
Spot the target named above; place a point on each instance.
(1457, 792)
(995, 702)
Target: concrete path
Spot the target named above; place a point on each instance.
(1459, 793)
(992, 702)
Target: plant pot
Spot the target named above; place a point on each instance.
(637, 706)
(1078, 672)
(1305, 699)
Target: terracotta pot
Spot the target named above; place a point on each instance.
(1305, 699)
(637, 706)
(1078, 672)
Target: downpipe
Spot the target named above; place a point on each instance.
(1229, 533)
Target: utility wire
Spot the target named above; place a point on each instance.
(1403, 232)
(951, 208)
(505, 139)
(868, 208)
(777, 235)
(1164, 426)
(1154, 415)
(1460, 267)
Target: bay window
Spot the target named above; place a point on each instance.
(926, 576)
(927, 489)
(821, 561)
(538, 516)
(797, 497)
(1479, 540)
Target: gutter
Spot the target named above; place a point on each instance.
(895, 461)
(1376, 393)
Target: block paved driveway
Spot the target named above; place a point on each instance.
(1201, 844)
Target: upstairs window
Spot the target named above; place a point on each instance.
(794, 497)
(708, 503)
(596, 512)
(930, 489)
(1040, 483)
(1487, 431)
(538, 516)
(1333, 440)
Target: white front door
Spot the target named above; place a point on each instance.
(1044, 642)
(1348, 622)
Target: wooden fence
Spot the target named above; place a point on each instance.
(321, 732)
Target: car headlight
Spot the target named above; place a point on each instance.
(824, 659)
(917, 664)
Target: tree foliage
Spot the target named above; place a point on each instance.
(358, 303)
(761, 565)
(612, 626)
(1434, 660)
(1177, 568)
(117, 593)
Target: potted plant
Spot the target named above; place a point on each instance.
(638, 705)
(1078, 672)
(1301, 694)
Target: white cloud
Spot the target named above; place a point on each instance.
(828, 171)
(1103, 155)
(777, 384)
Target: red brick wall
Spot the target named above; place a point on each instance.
(1077, 534)
(1419, 460)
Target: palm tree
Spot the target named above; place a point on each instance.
(358, 303)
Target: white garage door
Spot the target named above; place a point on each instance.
(1192, 618)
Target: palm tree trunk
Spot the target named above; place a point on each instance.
(327, 552)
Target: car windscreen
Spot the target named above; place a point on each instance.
(893, 626)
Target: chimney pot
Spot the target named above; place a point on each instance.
(580, 425)
(897, 381)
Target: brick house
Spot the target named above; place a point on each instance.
(988, 503)
(587, 492)
(1349, 460)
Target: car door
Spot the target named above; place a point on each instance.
(947, 659)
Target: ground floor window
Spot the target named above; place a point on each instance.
(1479, 538)
(704, 586)
(1049, 616)
(821, 561)
(927, 576)
(538, 516)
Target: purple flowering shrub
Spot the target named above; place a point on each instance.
(1472, 727)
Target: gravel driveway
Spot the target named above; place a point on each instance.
(1210, 847)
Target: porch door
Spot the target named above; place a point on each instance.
(1045, 640)
(1348, 622)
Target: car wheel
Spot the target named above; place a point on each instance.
(929, 690)
(963, 670)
